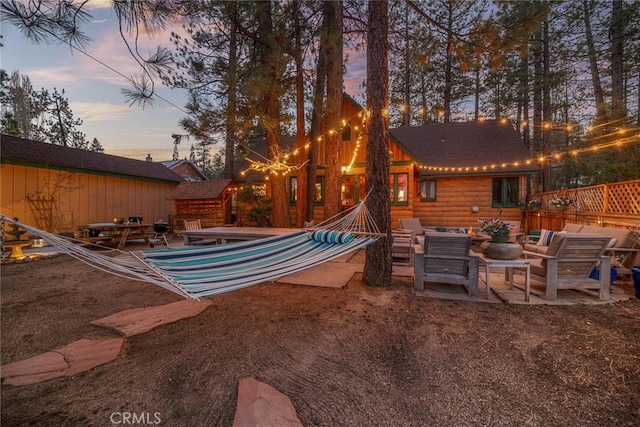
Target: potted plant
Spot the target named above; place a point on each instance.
(561, 203)
(615, 264)
(496, 228)
(535, 205)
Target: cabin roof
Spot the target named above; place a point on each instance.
(33, 153)
(199, 190)
(464, 144)
(445, 145)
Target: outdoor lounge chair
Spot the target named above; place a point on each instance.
(414, 225)
(194, 225)
(445, 258)
(568, 262)
(403, 246)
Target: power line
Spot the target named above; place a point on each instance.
(88, 55)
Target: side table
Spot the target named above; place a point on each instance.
(509, 265)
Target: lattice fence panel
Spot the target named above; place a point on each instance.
(620, 198)
(624, 198)
(590, 199)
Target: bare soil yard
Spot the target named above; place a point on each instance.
(357, 356)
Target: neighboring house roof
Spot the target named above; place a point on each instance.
(465, 145)
(39, 154)
(174, 164)
(199, 190)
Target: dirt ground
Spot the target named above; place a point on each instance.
(356, 356)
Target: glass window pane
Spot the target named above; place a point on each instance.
(392, 186)
(293, 195)
(362, 188)
(319, 190)
(512, 191)
(428, 190)
(403, 187)
(348, 190)
(496, 194)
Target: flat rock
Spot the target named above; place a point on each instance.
(259, 404)
(79, 356)
(137, 321)
(328, 274)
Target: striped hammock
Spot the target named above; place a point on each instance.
(202, 271)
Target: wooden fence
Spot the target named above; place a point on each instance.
(607, 205)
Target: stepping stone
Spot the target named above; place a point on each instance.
(259, 404)
(137, 321)
(79, 356)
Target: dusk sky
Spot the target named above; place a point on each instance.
(94, 91)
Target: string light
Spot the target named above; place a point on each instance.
(278, 165)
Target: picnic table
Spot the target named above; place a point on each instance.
(114, 234)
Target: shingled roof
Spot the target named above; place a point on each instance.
(465, 144)
(33, 153)
(445, 145)
(199, 190)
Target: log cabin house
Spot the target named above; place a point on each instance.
(58, 188)
(448, 174)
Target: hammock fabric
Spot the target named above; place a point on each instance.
(202, 271)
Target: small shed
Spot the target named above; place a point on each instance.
(208, 201)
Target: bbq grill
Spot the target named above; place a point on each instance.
(160, 228)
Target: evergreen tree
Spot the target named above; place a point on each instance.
(96, 146)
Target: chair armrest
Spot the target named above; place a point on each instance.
(530, 254)
(625, 256)
(622, 250)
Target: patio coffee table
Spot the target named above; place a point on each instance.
(509, 265)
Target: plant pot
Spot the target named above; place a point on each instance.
(500, 238)
(561, 208)
(635, 275)
(595, 274)
(535, 208)
(501, 250)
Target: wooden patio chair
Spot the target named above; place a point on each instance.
(568, 262)
(446, 259)
(403, 246)
(414, 225)
(193, 225)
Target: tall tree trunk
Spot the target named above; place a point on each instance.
(232, 86)
(378, 262)
(406, 113)
(333, 145)
(524, 100)
(448, 84)
(546, 107)
(301, 202)
(270, 53)
(476, 93)
(601, 112)
(537, 101)
(617, 49)
(317, 113)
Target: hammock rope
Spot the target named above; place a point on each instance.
(200, 271)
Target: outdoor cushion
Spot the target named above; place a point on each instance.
(556, 240)
(572, 228)
(546, 236)
(331, 236)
